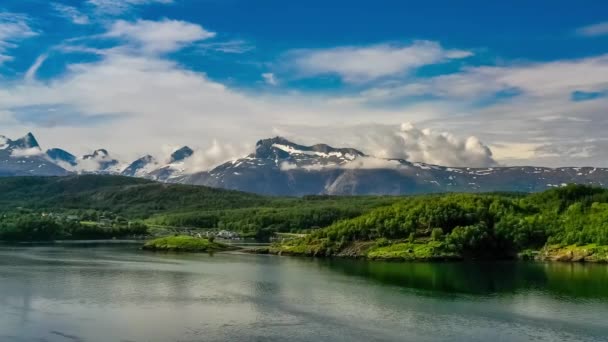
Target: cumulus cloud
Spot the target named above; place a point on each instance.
(385, 145)
(425, 145)
(599, 29)
(13, 28)
(214, 155)
(71, 13)
(142, 92)
(159, 36)
(361, 64)
(152, 94)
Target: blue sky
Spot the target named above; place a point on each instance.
(529, 80)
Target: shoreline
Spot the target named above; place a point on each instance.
(73, 242)
(567, 254)
(595, 254)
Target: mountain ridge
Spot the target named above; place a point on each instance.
(279, 166)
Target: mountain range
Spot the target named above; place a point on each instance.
(281, 167)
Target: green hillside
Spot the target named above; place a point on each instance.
(566, 223)
(94, 198)
(132, 197)
(572, 221)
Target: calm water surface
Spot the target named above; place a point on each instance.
(117, 293)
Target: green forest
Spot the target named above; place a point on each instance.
(454, 226)
(94, 206)
(437, 226)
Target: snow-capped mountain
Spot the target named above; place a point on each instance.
(148, 167)
(101, 162)
(23, 157)
(141, 167)
(281, 167)
(181, 154)
(61, 156)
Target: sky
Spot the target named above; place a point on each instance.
(456, 83)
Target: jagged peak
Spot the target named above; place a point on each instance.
(98, 153)
(272, 141)
(181, 154)
(58, 150)
(58, 154)
(272, 147)
(26, 141)
(147, 157)
(143, 164)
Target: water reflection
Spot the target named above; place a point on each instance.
(483, 278)
(119, 293)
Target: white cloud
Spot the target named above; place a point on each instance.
(559, 78)
(96, 161)
(84, 165)
(270, 79)
(287, 166)
(151, 100)
(116, 7)
(159, 36)
(30, 74)
(514, 151)
(361, 64)
(425, 145)
(366, 162)
(512, 106)
(406, 141)
(599, 29)
(372, 163)
(13, 28)
(26, 152)
(163, 103)
(71, 13)
(216, 154)
(236, 46)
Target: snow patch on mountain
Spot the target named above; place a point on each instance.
(294, 151)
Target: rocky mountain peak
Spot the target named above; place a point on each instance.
(140, 166)
(281, 148)
(181, 154)
(266, 148)
(25, 142)
(59, 155)
(97, 154)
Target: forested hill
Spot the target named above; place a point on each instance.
(568, 223)
(131, 197)
(434, 226)
(93, 198)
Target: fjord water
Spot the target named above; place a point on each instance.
(118, 293)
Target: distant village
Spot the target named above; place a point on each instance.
(103, 221)
(222, 234)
